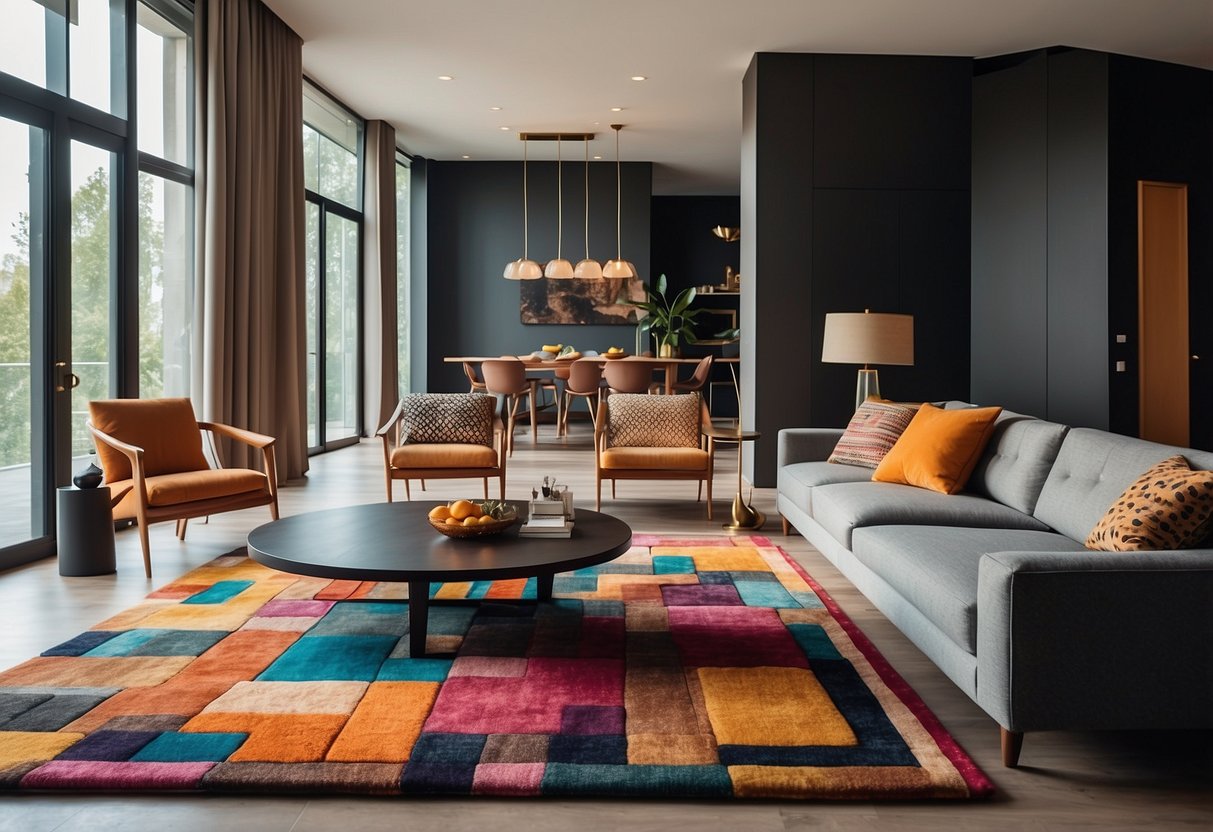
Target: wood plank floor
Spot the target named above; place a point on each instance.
(1106, 781)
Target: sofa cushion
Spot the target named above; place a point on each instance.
(797, 481)
(1168, 507)
(939, 449)
(935, 567)
(1092, 470)
(843, 507)
(872, 431)
(1017, 460)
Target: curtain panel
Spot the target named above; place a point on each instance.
(249, 356)
(380, 384)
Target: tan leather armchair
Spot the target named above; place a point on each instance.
(643, 437)
(151, 453)
(434, 436)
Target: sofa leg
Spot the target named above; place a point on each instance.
(787, 527)
(1012, 743)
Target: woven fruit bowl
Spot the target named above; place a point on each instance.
(479, 530)
(613, 355)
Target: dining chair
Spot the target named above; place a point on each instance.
(443, 436)
(506, 377)
(641, 437)
(584, 381)
(703, 371)
(474, 380)
(151, 453)
(628, 376)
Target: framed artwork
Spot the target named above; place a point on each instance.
(601, 302)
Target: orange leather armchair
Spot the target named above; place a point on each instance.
(643, 437)
(434, 436)
(151, 453)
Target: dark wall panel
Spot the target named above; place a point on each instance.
(890, 122)
(1009, 234)
(474, 219)
(1078, 364)
(855, 179)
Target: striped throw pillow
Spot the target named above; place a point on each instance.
(872, 431)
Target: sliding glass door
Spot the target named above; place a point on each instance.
(23, 451)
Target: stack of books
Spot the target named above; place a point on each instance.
(547, 519)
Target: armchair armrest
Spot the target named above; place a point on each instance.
(248, 437)
(135, 454)
(1096, 640)
(806, 444)
(387, 426)
(600, 428)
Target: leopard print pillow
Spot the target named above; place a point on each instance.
(446, 418)
(1168, 507)
(638, 420)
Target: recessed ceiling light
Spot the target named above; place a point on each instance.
(616, 109)
(640, 77)
(597, 157)
(446, 78)
(503, 128)
(466, 156)
(495, 109)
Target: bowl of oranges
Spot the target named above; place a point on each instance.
(469, 518)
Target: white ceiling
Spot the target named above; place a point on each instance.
(562, 64)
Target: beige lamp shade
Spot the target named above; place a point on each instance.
(868, 338)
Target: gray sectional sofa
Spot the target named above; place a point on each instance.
(995, 586)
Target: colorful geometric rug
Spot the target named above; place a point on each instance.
(705, 668)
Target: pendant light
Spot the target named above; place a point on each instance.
(587, 269)
(523, 268)
(618, 267)
(559, 268)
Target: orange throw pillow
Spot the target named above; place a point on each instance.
(939, 449)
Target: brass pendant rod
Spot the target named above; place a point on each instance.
(559, 202)
(525, 225)
(586, 142)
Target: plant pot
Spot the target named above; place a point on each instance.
(667, 351)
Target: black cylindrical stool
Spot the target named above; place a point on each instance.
(85, 531)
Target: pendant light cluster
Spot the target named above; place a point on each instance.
(560, 269)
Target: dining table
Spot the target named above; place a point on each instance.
(669, 366)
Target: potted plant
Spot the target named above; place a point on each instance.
(671, 322)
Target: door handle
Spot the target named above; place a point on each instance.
(73, 380)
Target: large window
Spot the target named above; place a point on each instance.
(166, 201)
(95, 233)
(332, 176)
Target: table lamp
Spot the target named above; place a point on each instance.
(868, 338)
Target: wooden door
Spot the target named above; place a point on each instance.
(1162, 312)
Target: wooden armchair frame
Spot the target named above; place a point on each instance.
(392, 426)
(182, 512)
(613, 474)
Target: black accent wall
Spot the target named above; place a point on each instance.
(855, 194)
(1060, 139)
(684, 248)
(473, 227)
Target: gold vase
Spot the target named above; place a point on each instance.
(667, 351)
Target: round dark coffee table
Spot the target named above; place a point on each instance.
(395, 542)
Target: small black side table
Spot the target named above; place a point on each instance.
(85, 531)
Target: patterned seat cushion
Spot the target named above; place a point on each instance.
(445, 418)
(638, 420)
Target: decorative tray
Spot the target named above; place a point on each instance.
(613, 355)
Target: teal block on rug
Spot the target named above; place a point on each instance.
(414, 670)
(330, 658)
(189, 748)
(673, 565)
(764, 594)
(219, 592)
(640, 781)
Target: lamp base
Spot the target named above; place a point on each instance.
(867, 387)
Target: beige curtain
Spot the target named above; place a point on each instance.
(380, 383)
(249, 342)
